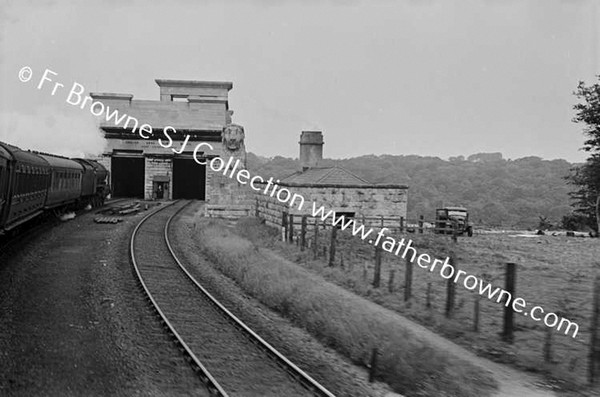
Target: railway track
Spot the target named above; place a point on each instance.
(230, 358)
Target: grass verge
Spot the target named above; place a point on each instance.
(340, 319)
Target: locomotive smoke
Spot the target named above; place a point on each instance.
(66, 133)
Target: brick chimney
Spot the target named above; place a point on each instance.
(311, 149)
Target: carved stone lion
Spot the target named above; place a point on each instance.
(233, 137)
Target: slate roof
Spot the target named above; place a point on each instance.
(325, 176)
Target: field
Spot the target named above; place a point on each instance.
(554, 272)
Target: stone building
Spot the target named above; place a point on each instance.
(334, 188)
(161, 164)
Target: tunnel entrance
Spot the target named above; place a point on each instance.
(127, 176)
(189, 179)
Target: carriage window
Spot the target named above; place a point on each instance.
(20, 183)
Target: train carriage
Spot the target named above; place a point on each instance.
(32, 183)
(5, 159)
(65, 182)
(24, 178)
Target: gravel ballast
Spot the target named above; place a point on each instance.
(73, 321)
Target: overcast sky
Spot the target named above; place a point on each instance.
(439, 78)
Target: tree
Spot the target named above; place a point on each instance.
(526, 188)
(587, 176)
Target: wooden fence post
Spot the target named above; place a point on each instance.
(391, 280)
(316, 246)
(594, 358)
(476, 314)
(420, 224)
(450, 291)
(401, 224)
(548, 345)
(332, 246)
(303, 233)
(291, 229)
(377, 274)
(373, 365)
(428, 296)
(408, 280)
(509, 318)
(284, 224)
(455, 231)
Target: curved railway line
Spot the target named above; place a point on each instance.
(231, 359)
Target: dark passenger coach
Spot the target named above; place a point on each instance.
(32, 183)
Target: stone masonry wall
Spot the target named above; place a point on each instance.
(370, 201)
(157, 166)
(225, 196)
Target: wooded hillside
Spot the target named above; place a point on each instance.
(498, 192)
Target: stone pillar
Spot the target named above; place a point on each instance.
(226, 197)
(157, 165)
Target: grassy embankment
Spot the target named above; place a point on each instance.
(342, 320)
(554, 272)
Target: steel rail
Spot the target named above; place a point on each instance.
(206, 376)
(289, 366)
